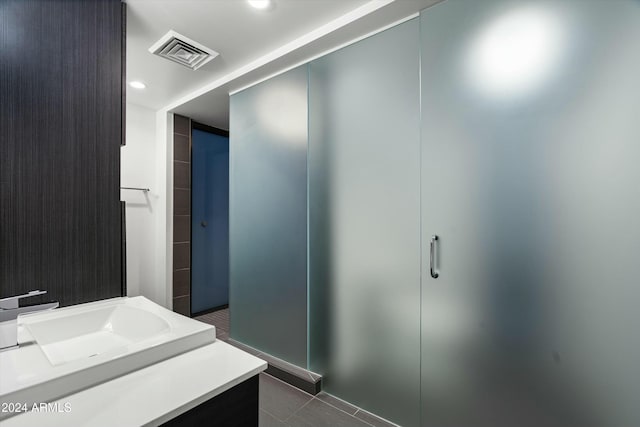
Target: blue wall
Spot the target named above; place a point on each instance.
(209, 221)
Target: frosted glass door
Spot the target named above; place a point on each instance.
(530, 180)
(364, 223)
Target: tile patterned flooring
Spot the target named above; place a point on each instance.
(219, 319)
(282, 405)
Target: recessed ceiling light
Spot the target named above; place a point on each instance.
(137, 85)
(260, 4)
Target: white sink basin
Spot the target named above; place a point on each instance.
(91, 332)
(66, 350)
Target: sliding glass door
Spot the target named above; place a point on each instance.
(530, 213)
(364, 221)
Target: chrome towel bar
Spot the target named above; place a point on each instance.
(135, 188)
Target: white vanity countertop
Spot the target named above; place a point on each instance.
(73, 348)
(152, 395)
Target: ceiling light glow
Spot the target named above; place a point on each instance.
(260, 4)
(282, 111)
(137, 84)
(517, 53)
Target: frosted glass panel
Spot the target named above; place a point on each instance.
(268, 216)
(364, 223)
(530, 178)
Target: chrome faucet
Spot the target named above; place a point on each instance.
(10, 307)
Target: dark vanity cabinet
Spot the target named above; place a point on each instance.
(61, 127)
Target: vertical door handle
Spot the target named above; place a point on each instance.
(432, 256)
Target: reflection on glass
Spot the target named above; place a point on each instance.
(516, 52)
(279, 106)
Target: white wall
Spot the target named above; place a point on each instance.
(164, 217)
(138, 169)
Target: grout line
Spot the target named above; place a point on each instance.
(345, 412)
(357, 409)
(360, 419)
(382, 420)
(182, 161)
(181, 134)
(262, 409)
(299, 409)
(339, 409)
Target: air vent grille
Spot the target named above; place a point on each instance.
(182, 50)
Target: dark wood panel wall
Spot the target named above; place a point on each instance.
(61, 121)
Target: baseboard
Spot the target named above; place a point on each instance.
(296, 376)
(210, 310)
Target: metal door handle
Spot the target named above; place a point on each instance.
(432, 255)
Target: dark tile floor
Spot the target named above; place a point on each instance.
(282, 405)
(219, 319)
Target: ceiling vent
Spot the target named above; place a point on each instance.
(182, 50)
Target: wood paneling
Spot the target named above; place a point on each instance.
(60, 134)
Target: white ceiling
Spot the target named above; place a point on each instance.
(249, 41)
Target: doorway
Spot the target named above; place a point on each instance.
(209, 219)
